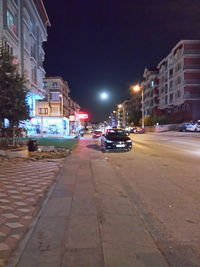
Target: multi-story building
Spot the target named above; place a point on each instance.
(126, 111)
(179, 82)
(53, 112)
(23, 29)
(57, 98)
(150, 90)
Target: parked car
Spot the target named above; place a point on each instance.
(195, 127)
(183, 127)
(115, 139)
(96, 134)
(138, 129)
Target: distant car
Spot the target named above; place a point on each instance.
(138, 129)
(115, 139)
(195, 127)
(183, 127)
(96, 134)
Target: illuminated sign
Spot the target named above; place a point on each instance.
(82, 116)
(71, 118)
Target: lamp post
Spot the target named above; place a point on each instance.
(120, 115)
(61, 97)
(137, 88)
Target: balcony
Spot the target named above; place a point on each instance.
(191, 67)
(191, 81)
(191, 96)
(191, 52)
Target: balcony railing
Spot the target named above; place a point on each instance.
(189, 95)
(185, 52)
(191, 81)
(188, 67)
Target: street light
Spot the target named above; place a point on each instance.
(61, 97)
(137, 88)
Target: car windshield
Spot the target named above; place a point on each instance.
(116, 132)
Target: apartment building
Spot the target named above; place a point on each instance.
(57, 98)
(150, 90)
(23, 29)
(179, 82)
(53, 112)
(125, 112)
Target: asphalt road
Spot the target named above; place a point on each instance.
(161, 176)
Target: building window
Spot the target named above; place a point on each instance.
(11, 22)
(166, 88)
(55, 96)
(45, 84)
(33, 50)
(179, 80)
(170, 85)
(34, 75)
(152, 84)
(171, 96)
(178, 94)
(26, 38)
(9, 48)
(55, 84)
(42, 110)
(32, 27)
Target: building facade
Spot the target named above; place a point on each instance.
(23, 29)
(179, 82)
(54, 113)
(151, 93)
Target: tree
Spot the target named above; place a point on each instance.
(134, 117)
(13, 91)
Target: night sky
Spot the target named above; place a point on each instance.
(106, 44)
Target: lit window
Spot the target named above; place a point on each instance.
(11, 22)
(42, 110)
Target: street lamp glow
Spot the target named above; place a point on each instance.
(120, 106)
(136, 88)
(104, 96)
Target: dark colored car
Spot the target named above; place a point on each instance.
(96, 134)
(183, 127)
(116, 139)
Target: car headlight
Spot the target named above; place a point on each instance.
(129, 141)
(108, 141)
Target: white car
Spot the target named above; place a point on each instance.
(193, 127)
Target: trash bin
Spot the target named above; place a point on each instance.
(32, 145)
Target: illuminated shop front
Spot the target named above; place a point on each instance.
(42, 126)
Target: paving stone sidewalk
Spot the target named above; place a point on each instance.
(23, 186)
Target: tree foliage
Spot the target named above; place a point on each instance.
(13, 90)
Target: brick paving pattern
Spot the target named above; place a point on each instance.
(23, 186)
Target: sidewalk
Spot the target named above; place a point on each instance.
(23, 186)
(88, 220)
